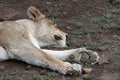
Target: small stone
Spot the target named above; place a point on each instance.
(68, 27)
(48, 3)
(80, 36)
(56, 5)
(87, 70)
(102, 48)
(64, 12)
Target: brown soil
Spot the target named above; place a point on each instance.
(64, 12)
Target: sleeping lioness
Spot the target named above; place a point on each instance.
(23, 39)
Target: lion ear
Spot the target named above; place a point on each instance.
(34, 13)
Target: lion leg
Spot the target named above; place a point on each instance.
(34, 56)
(79, 55)
(3, 54)
(63, 54)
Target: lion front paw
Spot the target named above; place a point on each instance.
(72, 69)
(89, 57)
(82, 55)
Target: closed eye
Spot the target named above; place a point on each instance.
(57, 37)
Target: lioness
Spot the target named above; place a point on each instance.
(22, 39)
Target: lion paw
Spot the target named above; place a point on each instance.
(82, 55)
(72, 69)
(76, 69)
(89, 57)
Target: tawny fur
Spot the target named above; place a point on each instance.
(22, 39)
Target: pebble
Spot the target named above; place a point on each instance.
(48, 3)
(87, 70)
(102, 48)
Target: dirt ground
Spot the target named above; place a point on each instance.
(94, 24)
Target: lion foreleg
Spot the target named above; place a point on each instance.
(63, 54)
(79, 55)
(35, 56)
